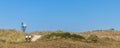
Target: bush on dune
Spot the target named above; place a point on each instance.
(62, 35)
(92, 38)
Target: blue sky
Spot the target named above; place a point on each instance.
(66, 15)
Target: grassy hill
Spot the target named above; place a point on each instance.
(11, 35)
(111, 34)
(11, 38)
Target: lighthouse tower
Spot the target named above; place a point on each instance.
(24, 26)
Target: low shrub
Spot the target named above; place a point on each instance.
(92, 38)
(62, 35)
(76, 37)
(2, 41)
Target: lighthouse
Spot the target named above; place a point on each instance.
(24, 26)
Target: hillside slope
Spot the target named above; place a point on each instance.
(11, 35)
(113, 34)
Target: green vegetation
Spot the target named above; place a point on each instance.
(92, 38)
(62, 35)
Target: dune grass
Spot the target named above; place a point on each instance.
(11, 35)
(11, 38)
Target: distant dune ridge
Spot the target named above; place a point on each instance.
(113, 34)
(11, 38)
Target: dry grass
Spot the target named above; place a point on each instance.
(15, 39)
(112, 34)
(11, 35)
(60, 44)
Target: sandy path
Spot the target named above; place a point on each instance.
(35, 37)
